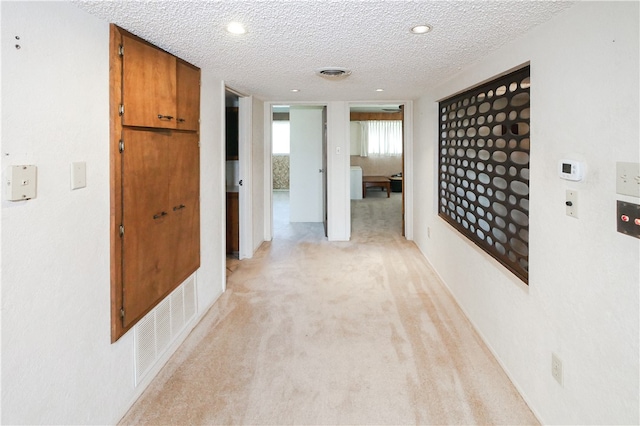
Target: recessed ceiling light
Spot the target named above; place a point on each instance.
(379, 90)
(236, 28)
(295, 90)
(421, 29)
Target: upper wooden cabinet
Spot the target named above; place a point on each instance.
(158, 90)
(188, 94)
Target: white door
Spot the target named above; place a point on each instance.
(305, 188)
(245, 174)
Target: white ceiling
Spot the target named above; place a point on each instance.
(288, 40)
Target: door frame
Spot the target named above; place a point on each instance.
(245, 161)
(407, 160)
(268, 166)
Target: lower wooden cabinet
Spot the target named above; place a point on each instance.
(160, 216)
(233, 223)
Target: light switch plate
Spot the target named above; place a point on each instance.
(21, 183)
(628, 179)
(78, 175)
(572, 203)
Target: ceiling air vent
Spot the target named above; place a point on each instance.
(333, 72)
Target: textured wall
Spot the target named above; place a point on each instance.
(280, 164)
(378, 166)
(582, 301)
(58, 363)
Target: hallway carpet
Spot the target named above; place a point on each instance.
(316, 332)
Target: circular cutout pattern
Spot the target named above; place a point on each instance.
(484, 167)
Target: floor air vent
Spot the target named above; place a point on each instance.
(159, 328)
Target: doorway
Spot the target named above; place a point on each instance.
(377, 160)
(232, 179)
(298, 168)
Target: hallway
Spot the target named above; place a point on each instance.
(318, 332)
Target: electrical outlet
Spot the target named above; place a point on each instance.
(572, 203)
(556, 368)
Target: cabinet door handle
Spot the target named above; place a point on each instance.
(180, 207)
(159, 215)
(165, 117)
(181, 120)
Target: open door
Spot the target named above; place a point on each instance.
(239, 235)
(306, 177)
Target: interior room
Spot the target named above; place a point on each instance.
(376, 157)
(504, 291)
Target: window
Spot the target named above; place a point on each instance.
(381, 138)
(484, 168)
(384, 137)
(280, 137)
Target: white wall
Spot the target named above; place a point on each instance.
(582, 298)
(258, 147)
(305, 187)
(338, 179)
(58, 363)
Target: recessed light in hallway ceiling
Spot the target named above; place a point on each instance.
(421, 29)
(236, 28)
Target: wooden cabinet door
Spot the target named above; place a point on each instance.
(184, 202)
(161, 216)
(233, 223)
(148, 230)
(188, 96)
(148, 85)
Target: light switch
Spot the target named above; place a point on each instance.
(78, 175)
(628, 179)
(21, 183)
(572, 203)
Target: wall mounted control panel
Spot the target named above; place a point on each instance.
(629, 219)
(570, 170)
(20, 183)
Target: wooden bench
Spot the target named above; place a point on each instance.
(375, 182)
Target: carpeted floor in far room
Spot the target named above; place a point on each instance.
(315, 332)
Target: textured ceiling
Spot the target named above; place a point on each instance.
(288, 40)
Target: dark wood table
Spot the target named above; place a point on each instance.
(375, 182)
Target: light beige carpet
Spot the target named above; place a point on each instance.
(315, 332)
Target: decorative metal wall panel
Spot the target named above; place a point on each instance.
(484, 168)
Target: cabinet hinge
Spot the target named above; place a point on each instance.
(121, 230)
(121, 109)
(121, 146)
(121, 50)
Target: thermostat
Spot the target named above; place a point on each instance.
(570, 169)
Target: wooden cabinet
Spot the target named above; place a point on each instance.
(233, 223)
(161, 212)
(188, 96)
(158, 89)
(155, 176)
